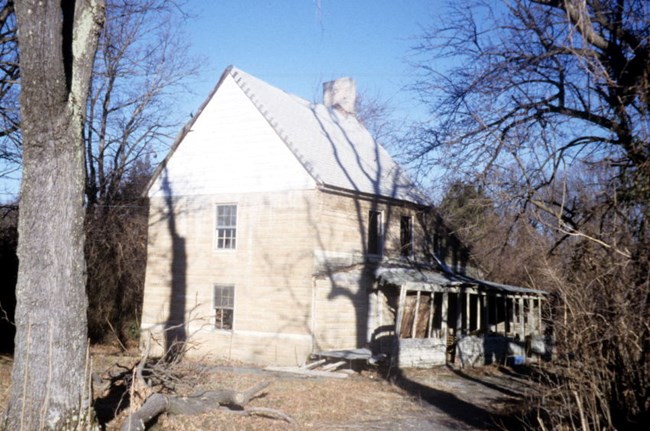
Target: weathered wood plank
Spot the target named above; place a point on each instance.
(309, 373)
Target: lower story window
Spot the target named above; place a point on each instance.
(224, 306)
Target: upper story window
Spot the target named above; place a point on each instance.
(375, 233)
(406, 236)
(226, 227)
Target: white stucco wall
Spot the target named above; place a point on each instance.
(231, 148)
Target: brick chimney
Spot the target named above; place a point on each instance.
(340, 94)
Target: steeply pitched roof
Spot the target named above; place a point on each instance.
(334, 147)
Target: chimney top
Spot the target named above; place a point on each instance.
(340, 94)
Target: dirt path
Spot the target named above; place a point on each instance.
(448, 399)
(457, 399)
(442, 398)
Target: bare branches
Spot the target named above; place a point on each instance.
(9, 76)
(150, 395)
(140, 69)
(548, 111)
(543, 89)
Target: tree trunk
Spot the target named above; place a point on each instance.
(50, 387)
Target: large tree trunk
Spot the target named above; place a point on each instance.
(57, 41)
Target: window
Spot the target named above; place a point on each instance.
(226, 227)
(406, 236)
(224, 306)
(374, 233)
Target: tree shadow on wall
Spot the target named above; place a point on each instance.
(175, 331)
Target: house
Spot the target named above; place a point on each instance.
(279, 228)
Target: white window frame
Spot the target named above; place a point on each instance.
(217, 227)
(221, 307)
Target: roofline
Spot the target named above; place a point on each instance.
(370, 196)
(232, 71)
(184, 131)
(273, 123)
(485, 283)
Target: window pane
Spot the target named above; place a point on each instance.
(224, 319)
(224, 295)
(224, 304)
(226, 226)
(227, 297)
(226, 215)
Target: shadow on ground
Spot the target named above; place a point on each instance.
(472, 399)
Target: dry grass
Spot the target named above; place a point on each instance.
(360, 402)
(313, 403)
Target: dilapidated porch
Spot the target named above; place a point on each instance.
(429, 311)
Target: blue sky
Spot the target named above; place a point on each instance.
(298, 44)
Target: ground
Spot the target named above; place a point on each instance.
(442, 398)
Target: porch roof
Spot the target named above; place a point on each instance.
(445, 279)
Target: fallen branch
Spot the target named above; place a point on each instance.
(263, 411)
(194, 404)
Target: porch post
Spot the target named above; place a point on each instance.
(432, 304)
(495, 314)
(415, 315)
(506, 316)
(531, 316)
(443, 322)
(512, 315)
(486, 312)
(521, 317)
(478, 311)
(468, 303)
(459, 313)
(400, 311)
(539, 315)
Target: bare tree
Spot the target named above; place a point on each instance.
(139, 75)
(9, 73)
(542, 87)
(501, 243)
(49, 378)
(140, 69)
(547, 106)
